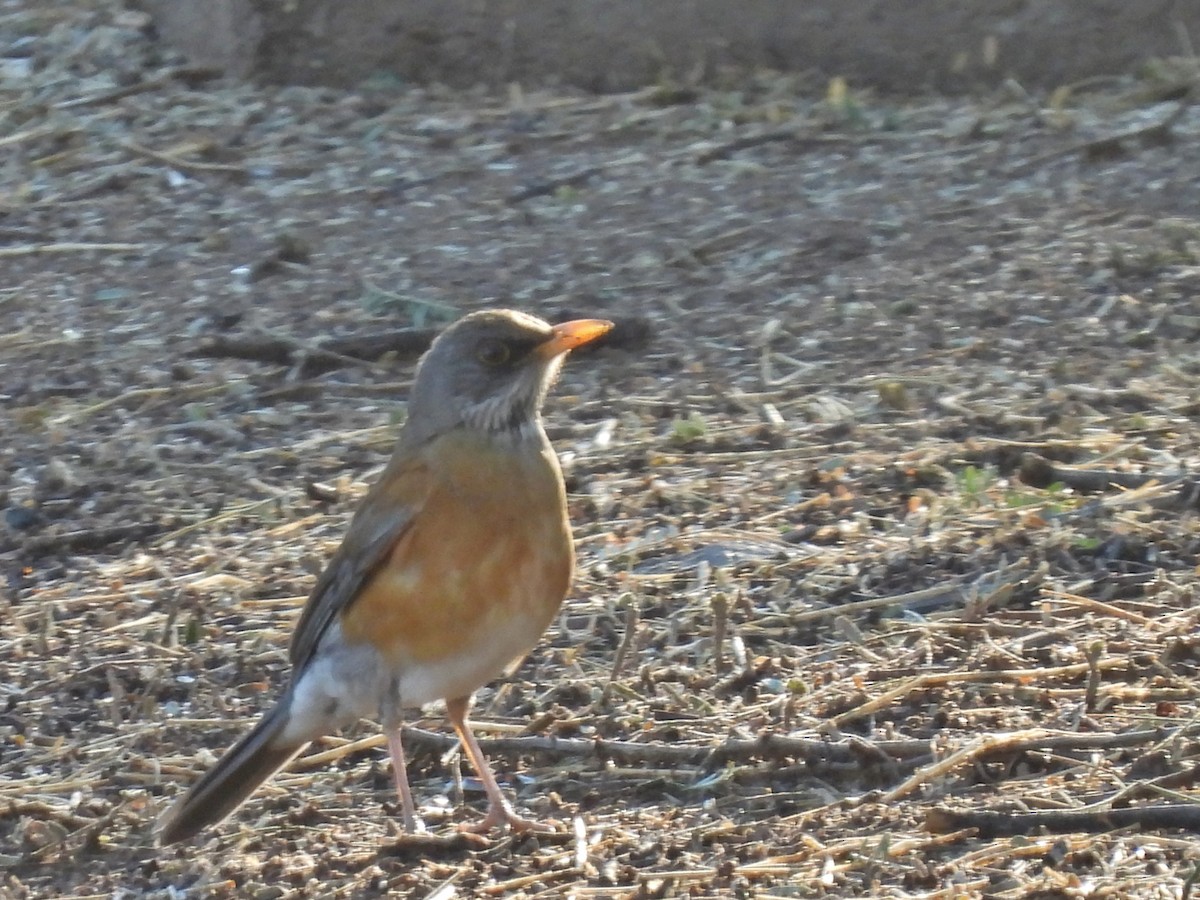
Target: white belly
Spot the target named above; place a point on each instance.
(344, 683)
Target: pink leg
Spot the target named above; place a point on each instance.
(499, 812)
(400, 777)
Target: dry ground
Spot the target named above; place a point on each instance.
(887, 542)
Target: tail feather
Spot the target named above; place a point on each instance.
(236, 776)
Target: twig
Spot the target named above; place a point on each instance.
(1107, 145)
(349, 748)
(425, 844)
(922, 601)
(29, 134)
(547, 186)
(39, 809)
(185, 165)
(1155, 787)
(504, 888)
(1167, 491)
(88, 539)
(1100, 606)
(1039, 472)
(720, 608)
(704, 251)
(746, 142)
(727, 149)
(1059, 821)
(89, 832)
(331, 353)
(773, 746)
(977, 749)
(184, 73)
(70, 247)
(1023, 742)
(632, 615)
(767, 745)
(939, 679)
(138, 394)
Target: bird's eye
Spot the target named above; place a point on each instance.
(493, 353)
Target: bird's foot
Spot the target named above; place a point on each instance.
(499, 816)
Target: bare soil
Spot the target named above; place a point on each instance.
(887, 540)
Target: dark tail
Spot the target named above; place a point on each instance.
(237, 775)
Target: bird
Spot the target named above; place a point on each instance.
(452, 567)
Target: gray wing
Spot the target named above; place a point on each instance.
(385, 515)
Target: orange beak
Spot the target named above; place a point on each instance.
(569, 335)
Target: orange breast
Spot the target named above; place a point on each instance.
(489, 553)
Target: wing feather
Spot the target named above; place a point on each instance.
(386, 514)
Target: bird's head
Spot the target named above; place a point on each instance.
(490, 371)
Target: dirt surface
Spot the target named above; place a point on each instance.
(887, 542)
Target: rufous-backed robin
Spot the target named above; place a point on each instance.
(455, 563)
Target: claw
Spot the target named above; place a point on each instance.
(499, 817)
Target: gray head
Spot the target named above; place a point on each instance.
(490, 371)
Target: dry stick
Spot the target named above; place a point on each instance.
(223, 516)
(140, 394)
(88, 833)
(88, 539)
(322, 355)
(305, 354)
(1022, 741)
(30, 134)
(767, 744)
(426, 844)
(1155, 787)
(795, 136)
(23, 787)
(362, 434)
(957, 890)
(1101, 607)
(913, 598)
(312, 760)
(939, 679)
(37, 809)
(1037, 471)
(184, 165)
(551, 185)
(632, 615)
(183, 73)
(997, 824)
(854, 847)
(976, 749)
(524, 881)
(70, 247)
(1160, 491)
(1094, 651)
(903, 600)
(770, 745)
(1158, 131)
(993, 854)
(727, 149)
(707, 248)
(720, 608)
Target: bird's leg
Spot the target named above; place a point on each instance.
(393, 721)
(499, 812)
